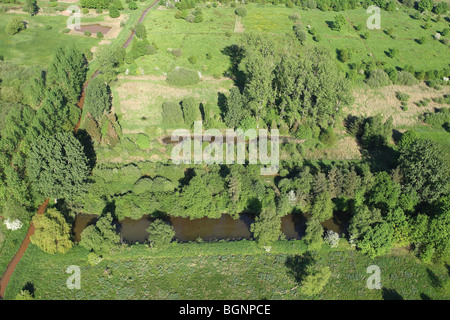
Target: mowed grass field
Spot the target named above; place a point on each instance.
(35, 45)
(220, 274)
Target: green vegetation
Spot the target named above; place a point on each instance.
(364, 122)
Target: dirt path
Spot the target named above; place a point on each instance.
(41, 210)
(16, 259)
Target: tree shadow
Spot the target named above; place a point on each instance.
(88, 146)
(235, 53)
(434, 279)
(29, 287)
(423, 296)
(390, 294)
(297, 265)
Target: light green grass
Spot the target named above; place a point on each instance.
(35, 45)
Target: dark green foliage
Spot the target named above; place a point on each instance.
(102, 236)
(425, 169)
(132, 5)
(30, 6)
(160, 234)
(15, 26)
(313, 235)
(95, 4)
(299, 32)
(57, 166)
(67, 72)
(191, 111)
(241, 11)
(113, 11)
(406, 78)
(378, 240)
(97, 100)
(267, 226)
(439, 118)
(140, 30)
(403, 97)
(182, 77)
(338, 23)
(425, 5)
(322, 208)
(374, 133)
(235, 111)
(344, 55)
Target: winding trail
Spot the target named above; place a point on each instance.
(41, 210)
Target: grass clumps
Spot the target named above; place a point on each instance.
(182, 77)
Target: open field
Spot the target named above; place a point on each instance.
(209, 36)
(138, 274)
(36, 45)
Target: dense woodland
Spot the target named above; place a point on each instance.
(398, 195)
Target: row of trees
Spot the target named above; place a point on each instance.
(286, 89)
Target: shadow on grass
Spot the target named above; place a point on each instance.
(298, 264)
(390, 294)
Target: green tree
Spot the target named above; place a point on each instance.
(191, 111)
(57, 166)
(30, 7)
(52, 233)
(378, 240)
(140, 30)
(313, 234)
(322, 208)
(113, 11)
(15, 26)
(425, 5)
(67, 71)
(425, 169)
(235, 111)
(102, 236)
(160, 234)
(315, 280)
(338, 23)
(267, 226)
(98, 99)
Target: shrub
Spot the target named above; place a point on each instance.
(113, 11)
(132, 6)
(99, 35)
(241, 11)
(177, 53)
(421, 40)
(289, 4)
(87, 33)
(358, 27)
(192, 59)
(445, 31)
(378, 78)
(392, 53)
(317, 38)
(172, 114)
(328, 137)
(294, 17)
(160, 234)
(365, 35)
(338, 23)
(47, 27)
(403, 97)
(406, 78)
(15, 26)
(65, 30)
(85, 10)
(344, 55)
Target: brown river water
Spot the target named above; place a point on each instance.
(132, 231)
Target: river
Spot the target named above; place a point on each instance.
(292, 225)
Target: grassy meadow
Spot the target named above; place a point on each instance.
(234, 270)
